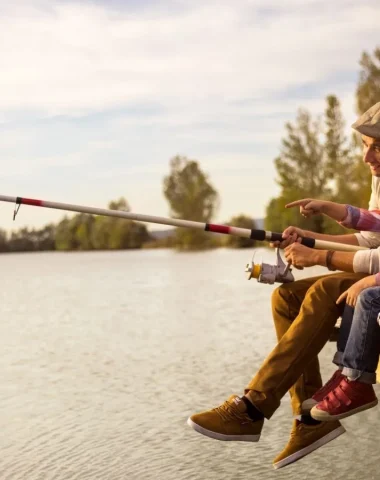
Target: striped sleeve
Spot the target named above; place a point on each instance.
(361, 219)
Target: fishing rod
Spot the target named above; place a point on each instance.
(264, 273)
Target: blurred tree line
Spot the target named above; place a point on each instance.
(316, 160)
(80, 232)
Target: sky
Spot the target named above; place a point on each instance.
(98, 96)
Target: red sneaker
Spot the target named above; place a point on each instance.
(348, 398)
(320, 394)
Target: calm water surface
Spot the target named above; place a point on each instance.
(105, 355)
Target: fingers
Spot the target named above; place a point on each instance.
(297, 203)
(290, 235)
(342, 297)
(289, 231)
(288, 254)
(288, 241)
(275, 244)
(291, 258)
(305, 212)
(350, 298)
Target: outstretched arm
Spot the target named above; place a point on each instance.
(310, 207)
(347, 215)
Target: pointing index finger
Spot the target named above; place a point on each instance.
(302, 202)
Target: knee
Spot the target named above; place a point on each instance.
(326, 290)
(369, 297)
(324, 283)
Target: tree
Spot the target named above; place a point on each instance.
(302, 172)
(242, 221)
(45, 238)
(329, 168)
(3, 241)
(192, 197)
(316, 161)
(75, 233)
(368, 89)
(4, 247)
(120, 204)
(118, 233)
(335, 146)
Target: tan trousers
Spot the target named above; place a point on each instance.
(304, 313)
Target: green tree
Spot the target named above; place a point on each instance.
(83, 232)
(118, 233)
(75, 233)
(45, 238)
(3, 241)
(317, 161)
(127, 234)
(101, 233)
(65, 238)
(87, 232)
(302, 170)
(335, 145)
(368, 89)
(242, 221)
(120, 204)
(191, 197)
(344, 162)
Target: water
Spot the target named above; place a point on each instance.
(105, 355)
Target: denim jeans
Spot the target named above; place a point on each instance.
(359, 337)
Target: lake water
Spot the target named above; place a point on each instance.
(105, 355)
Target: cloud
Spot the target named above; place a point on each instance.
(70, 58)
(97, 96)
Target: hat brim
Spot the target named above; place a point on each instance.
(368, 130)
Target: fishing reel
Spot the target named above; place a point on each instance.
(266, 273)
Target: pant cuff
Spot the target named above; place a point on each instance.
(338, 359)
(365, 377)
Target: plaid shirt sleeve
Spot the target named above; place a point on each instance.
(361, 219)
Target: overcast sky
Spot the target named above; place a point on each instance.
(97, 96)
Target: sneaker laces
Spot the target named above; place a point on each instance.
(227, 411)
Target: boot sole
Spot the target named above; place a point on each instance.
(323, 416)
(314, 446)
(221, 436)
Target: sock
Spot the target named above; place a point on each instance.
(309, 420)
(252, 411)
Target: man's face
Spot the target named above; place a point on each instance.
(371, 154)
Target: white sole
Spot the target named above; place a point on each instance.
(307, 405)
(220, 436)
(323, 416)
(305, 451)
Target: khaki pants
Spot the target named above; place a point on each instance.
(304, 313)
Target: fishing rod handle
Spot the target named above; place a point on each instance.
(277, 237)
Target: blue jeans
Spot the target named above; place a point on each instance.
(359, 337)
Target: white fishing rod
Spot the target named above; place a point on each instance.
(253, 234)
